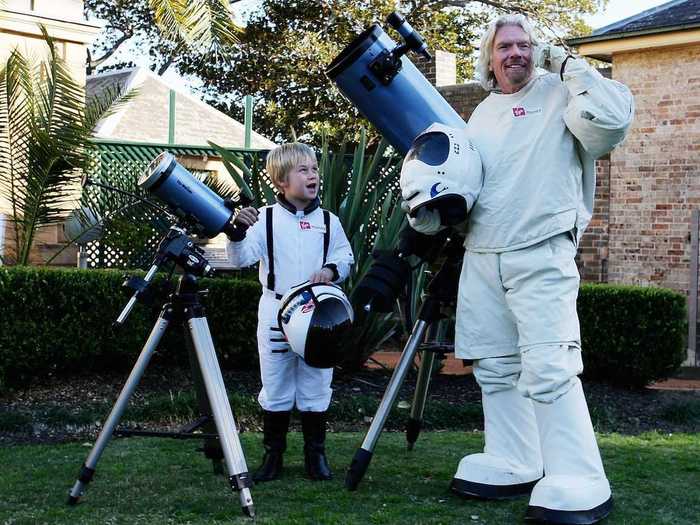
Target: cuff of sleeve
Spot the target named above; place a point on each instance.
(237, 233)
(579, 76)
(333, 268)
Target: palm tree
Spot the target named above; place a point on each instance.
(45, 127)
(202, 24)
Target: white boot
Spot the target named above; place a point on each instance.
(574, 489)
(510, 464)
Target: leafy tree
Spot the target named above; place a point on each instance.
(282, 54)
(288, 43)
(169, 28)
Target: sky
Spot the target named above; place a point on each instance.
(615, 11)
(619, 9)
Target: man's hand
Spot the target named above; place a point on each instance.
(246, 217)
(550, 57)
(324, 275)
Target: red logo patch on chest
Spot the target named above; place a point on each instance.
(304, 225)
(519, 112)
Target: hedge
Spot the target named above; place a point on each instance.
(59, 321)
(631, 335)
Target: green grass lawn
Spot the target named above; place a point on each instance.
(655, 479)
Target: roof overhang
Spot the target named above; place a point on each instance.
(602, 47)
(80, 32)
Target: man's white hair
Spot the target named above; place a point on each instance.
(486, 77)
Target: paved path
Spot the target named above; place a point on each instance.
(456, 367)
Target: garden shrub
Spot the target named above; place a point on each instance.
(59, 321)
(631, 335)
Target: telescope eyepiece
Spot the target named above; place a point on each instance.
(414, 40)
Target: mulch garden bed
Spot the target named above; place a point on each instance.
(613, 409)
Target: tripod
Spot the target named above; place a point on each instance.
(427, 337)
(186, 308)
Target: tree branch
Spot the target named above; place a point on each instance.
(92, 64)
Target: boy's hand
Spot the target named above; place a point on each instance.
(324, 275)
(246, 217)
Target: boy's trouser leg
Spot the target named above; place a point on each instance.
(511, 462)
(574, 489)
(275, 426)
(313, 425)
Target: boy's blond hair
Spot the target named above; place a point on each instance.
(284, 158)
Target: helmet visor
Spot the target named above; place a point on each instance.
(431, 148)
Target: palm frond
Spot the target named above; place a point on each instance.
(106, 103)
(45, 142)
(203, 24)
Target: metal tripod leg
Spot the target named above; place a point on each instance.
(239, 477)
(88, 469)
(436, 335)
(212, 447)
(363, 456)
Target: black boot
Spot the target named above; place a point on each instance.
(313, 424)
(275, 425)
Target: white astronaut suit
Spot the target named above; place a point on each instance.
(516, 316)
(302, 243)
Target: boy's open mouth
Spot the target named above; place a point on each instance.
(311, 186)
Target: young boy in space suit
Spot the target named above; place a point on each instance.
(295, 241)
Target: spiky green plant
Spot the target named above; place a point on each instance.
(45, 128)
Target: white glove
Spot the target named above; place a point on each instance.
(550, 57)
(426, 221)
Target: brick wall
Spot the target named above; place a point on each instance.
(655, 175)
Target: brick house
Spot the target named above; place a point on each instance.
(647, 188)
(645, 229)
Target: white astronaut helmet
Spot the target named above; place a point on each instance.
(314, 318)
(441, 171)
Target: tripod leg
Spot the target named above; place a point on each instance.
(436, 332)
(415, 420)
(88, 468)
(363, 456)
(212, 447)
(239, 478)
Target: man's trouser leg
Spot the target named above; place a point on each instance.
(510, 464)
(574, 489)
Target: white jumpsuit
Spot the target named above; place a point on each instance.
(516, 313)
(298, 239)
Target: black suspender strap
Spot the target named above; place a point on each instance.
(326, 234)
(270, 251)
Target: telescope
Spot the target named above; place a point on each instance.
(202, 211)
(374, 74)
(199, 210)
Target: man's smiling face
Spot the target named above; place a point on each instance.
(511, 60)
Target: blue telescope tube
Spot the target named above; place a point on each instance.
(186, 196)
(400, 109)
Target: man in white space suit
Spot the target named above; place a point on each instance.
(538, 136)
